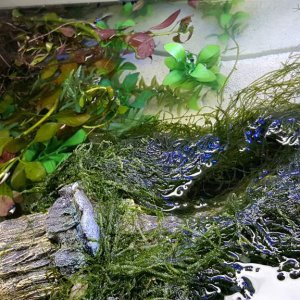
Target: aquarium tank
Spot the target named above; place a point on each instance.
(154, 146)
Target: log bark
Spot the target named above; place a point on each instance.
(37, 249)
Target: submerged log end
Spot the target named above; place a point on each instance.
(35, 250)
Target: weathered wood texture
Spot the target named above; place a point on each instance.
(25, 254)
(35, 250)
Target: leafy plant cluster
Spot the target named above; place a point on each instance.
(71, 84)
(231, 21)
(191, 75)
(69, 78)
(191, 72)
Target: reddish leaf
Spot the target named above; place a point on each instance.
(6, 205)
(6, 156)
(67, 31)
(193, 3)
(177, 38)
(143, 44)
(104, 66)
(105, 34)
(184, 24)
(6, 201)
(79, 56)
(168, 21)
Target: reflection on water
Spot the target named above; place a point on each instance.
(260, 281)
(182, 162)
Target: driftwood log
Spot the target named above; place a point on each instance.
(37, 249)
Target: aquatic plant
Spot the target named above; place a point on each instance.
(72, 70)
(193, 73)
(231, 21)
(254, 221)
(78, 85)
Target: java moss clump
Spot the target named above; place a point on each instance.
(243, 207)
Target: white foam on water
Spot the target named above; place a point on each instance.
(266, 285)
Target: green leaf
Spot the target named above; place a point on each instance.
(209, 54)
(239, 22)
(53, 161)
(193, 103)
(51, 146)
(202, 74)
(240, 17)
(171, 63)
(225, 20)
(49, 165)
(31, 153)
(48, 46)
(227, 6)
(125, 24)
(221, 79)
(78, 138)
(15, 145)
(5, 190)
(122, 109)
(102, 25)
(130, 81)
(3, 142)
(176, 50)
(135, 117)
(174, 77)
(105, 82)
(46, 132)
(4, 133)
(127, 8)
(142, 99)
(18, 178)
(16, 13)
(223, 38)
(236, 2)
(5, 103)
(127, 66)
(35, 171)
(189, 84)
(72, 119)
(38, 59)
(49, 71)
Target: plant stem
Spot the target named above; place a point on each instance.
(45, 117)
(231, 71)
(79, 25)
